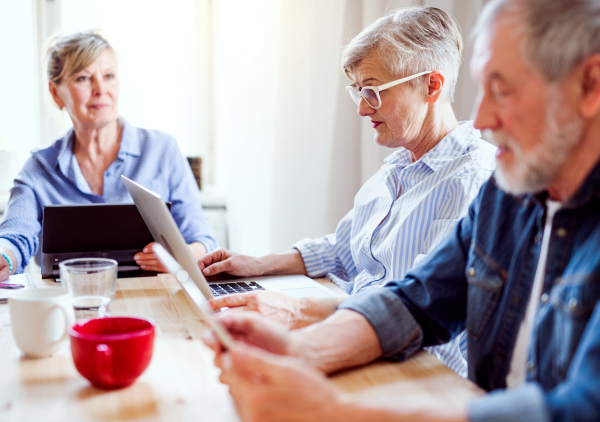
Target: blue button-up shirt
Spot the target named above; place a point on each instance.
(400, 214)
(480, 277)
(52, 176)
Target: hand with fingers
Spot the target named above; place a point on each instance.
(276, 306)
(4, 269)
(148, 261)
(270, 387)
(223, 261)
(253, 329)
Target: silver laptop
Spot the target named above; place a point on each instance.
(161, 224)
(195, 294)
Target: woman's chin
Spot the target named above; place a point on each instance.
(99, 121)
(384, 141)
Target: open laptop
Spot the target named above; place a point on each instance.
(195, 294)
(165, 231)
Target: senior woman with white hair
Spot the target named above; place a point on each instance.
(404, 69)
(84, 166)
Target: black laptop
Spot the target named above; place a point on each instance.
(115, 231)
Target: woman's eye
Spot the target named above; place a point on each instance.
(81, 78)
(110, 76)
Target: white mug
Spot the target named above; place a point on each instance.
(40, 319)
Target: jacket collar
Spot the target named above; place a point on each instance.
(588, 190)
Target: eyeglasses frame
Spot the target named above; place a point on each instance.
(378, 89)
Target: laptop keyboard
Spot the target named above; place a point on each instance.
(222, 289)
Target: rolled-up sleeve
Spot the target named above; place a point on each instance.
(330, 253)
(523, 404)
(399, 334)
(19, 231)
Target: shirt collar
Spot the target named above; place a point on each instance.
(130, 145)
(66, 151)
(449, 148)
(452, 146)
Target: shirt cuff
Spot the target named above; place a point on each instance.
(209, 243)
(526, 403)
(400, 336)
(11, 247)
(312, 255)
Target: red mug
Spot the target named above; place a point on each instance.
(112, 352)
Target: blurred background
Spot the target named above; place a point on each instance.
(253, 87)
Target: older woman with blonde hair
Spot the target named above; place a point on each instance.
(84, 166)
(403, 69)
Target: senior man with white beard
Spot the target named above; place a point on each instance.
(521, 271)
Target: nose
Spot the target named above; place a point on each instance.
(98, 86)
(486, 116)
(365, 109)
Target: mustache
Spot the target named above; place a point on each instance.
(500, 139)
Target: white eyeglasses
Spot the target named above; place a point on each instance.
(371, 93)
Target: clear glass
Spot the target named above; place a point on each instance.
(93, 284)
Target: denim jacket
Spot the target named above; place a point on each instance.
(480, 277)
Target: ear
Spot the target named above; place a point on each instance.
(434, 89)
(589, 86)
(53, 88)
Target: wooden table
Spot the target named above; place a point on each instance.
(181, 383)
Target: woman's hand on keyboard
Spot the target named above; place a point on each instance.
(223, 261)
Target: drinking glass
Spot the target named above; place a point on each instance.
(93, 284)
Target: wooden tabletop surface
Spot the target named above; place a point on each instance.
(181, 383)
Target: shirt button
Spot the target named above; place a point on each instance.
(544, 298)
(538, 239)
(561, 232)
(471, 272)
(572, 304)
(530, 366)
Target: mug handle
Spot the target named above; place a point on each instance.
(103, 364)
(67, 322)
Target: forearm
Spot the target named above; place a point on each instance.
(312, 310)
(344, 340)
(198, 250)
(285, 263)
(11, 256)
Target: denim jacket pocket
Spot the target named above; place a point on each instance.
(573, 299)
(486, 281)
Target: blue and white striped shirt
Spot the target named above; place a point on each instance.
(52, 176)
(400, 214)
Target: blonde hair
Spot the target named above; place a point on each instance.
(408, 41)
(68, 54)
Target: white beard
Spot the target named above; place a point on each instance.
(535, 171)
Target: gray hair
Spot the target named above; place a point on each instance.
(71, 53)
(559, 34)
(411, 40)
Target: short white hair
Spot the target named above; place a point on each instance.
(559, 35)
(409, 41)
